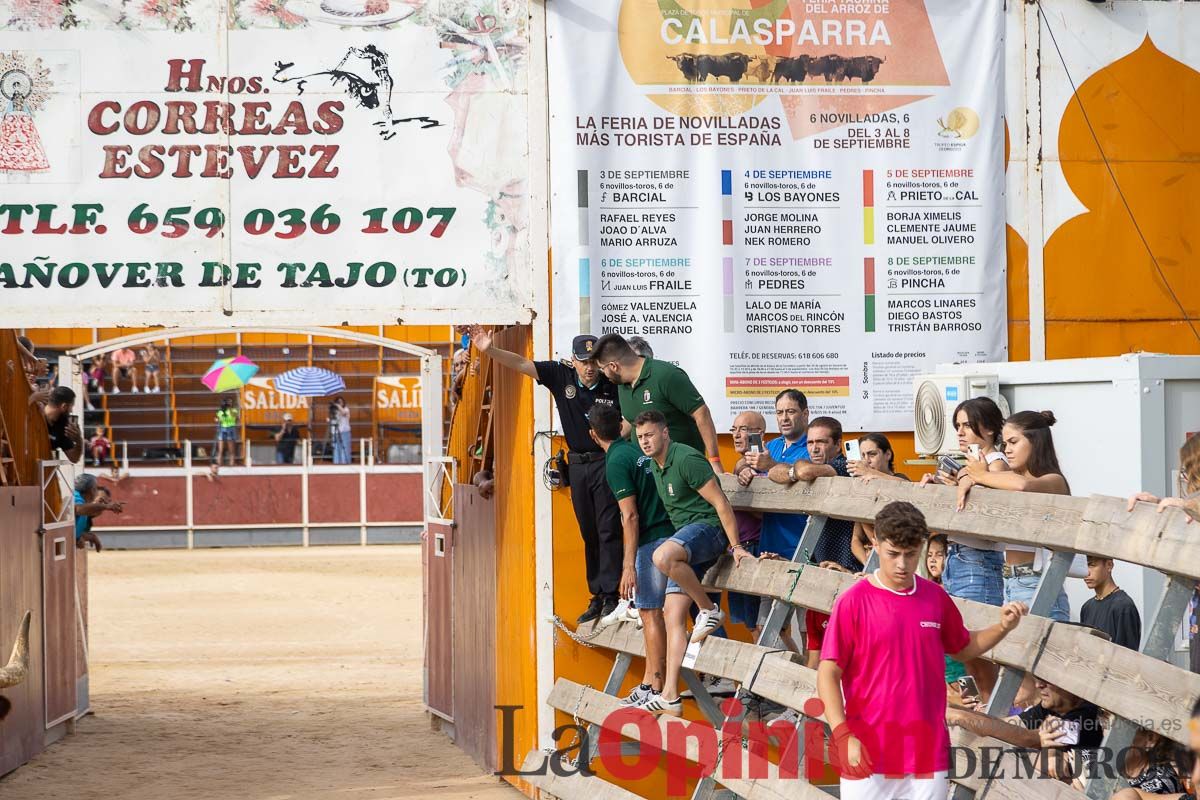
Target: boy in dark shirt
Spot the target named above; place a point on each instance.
(1111, 610)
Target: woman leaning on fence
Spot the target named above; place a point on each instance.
(1033, 467)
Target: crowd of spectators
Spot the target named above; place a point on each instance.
(660, 451)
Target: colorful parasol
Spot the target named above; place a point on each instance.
(227, 374)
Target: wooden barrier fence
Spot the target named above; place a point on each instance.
(1133, 686)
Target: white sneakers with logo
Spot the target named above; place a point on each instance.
(707, 621)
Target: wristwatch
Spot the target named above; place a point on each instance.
(792, 473)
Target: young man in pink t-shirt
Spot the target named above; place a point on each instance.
(883, 651)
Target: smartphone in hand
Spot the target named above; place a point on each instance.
(967, 687)
(949, 466)
(755, 442)
(853, 451)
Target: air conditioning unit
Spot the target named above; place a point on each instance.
(934, 399)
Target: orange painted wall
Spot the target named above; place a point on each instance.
(516, 642)
(1104, 295)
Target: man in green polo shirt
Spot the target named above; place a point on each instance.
(644, 524)
(647, 384)
(705, 528)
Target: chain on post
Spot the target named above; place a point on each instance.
(575, 637)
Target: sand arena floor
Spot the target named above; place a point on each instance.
(255, 674)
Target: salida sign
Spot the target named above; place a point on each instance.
(263, 404)
(398, 398)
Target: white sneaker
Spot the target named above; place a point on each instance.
(135, 389)
(707, 621)
(720, 687)
(116, 390)
(637, 696)
(656, 704)
(789, 715)
(715, 685)
(617, 615)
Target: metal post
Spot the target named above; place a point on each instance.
(187, 477)
(768, 636)
(616, 677)
(304, 497)
(362, 503)
(1049, 587)
(1159, 641)
(125, 455)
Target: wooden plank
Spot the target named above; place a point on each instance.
(1153, 693)
(574, 786)
(473, 628)
(595, 707)
(818, 588)
(1097, 525)
(1006, 784)
(438, 580)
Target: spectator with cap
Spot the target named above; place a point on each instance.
(63, 428)
(285, 441)
(647, 384)
(577, 385)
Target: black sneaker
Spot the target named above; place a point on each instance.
(593, 611)
(610, 605)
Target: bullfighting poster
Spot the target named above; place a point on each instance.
(782, 193)
(290, 161)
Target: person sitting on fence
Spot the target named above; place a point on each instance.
(123, 361)
(883, 653)
(34, 368)
(91, 500)
(99, 446)
(1111, 610)
(1059, 721)
(153, 361)
(705, 528)
(61, 424)
(1029, 449)
(644, 526)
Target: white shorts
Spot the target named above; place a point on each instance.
(909, 787)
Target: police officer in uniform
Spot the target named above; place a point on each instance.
(576, 386)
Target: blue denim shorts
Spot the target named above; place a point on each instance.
(974, 574)
(651, 585)
(227, 435)
(1022, 587)
(704, 544)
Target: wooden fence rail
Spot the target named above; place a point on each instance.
(1096, 525)
(1138, 688)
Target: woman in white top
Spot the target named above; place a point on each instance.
(974, 567)
(1029, 448)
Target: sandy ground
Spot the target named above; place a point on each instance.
(265, 674)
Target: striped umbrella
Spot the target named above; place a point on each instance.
(309, 382)
(227, 374)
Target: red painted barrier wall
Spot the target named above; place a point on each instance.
(248, 500)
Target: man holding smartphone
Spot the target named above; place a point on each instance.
(780, 532)
(62, 424)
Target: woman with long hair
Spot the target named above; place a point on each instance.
(1033, 467)
(878, 462)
